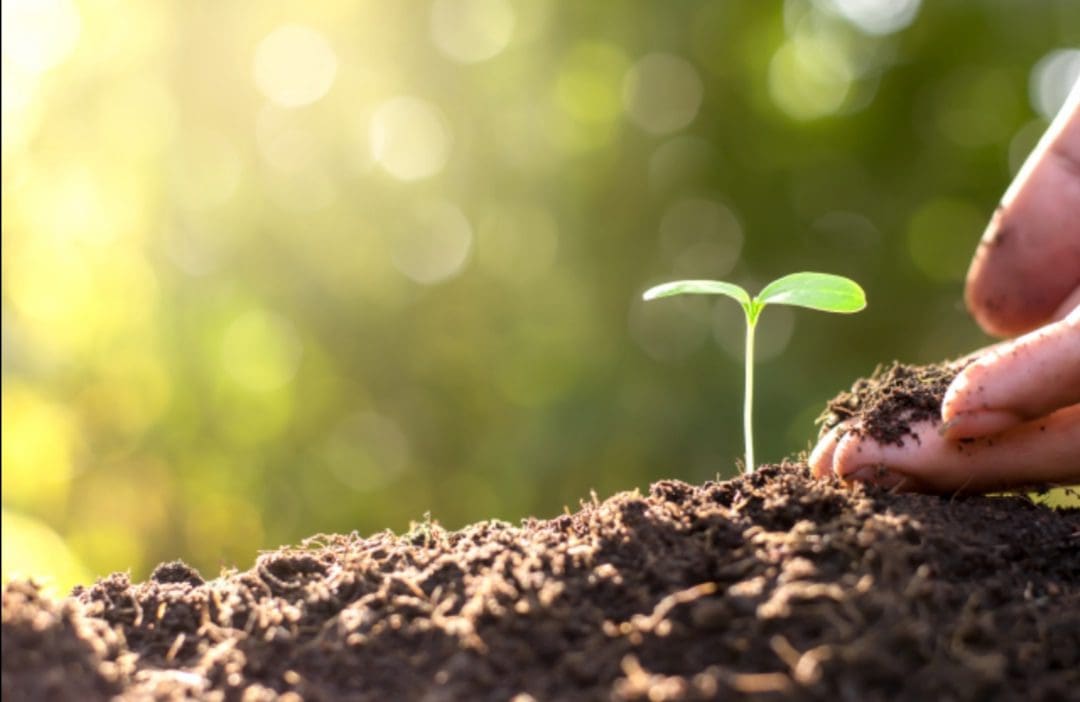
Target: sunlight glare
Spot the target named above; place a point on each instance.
(294, 66)
(39, 34)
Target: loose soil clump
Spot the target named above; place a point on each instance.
(885, 405)
(767, 586)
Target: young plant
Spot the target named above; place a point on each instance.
(818, 291)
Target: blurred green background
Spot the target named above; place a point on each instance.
(271, 269)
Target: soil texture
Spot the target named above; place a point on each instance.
(885, 405)
(768, 586)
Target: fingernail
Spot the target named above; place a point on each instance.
(945, 426)
(876, 474)
(978, 423)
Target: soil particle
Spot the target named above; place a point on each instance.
(768, 586)
(176, 572)
(885, 405)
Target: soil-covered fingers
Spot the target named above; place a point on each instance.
(1016, 381)
(821, 458)
(1029, 259)
(1046, 450)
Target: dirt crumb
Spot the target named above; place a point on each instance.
(768, 586)
(885, 405)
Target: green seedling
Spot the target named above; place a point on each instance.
(818, 291)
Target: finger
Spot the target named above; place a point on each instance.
(1028, 261)
(858, 458)
(1015, 381)
(1046, 450)
(821, 458)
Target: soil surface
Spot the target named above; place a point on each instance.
(768, 586)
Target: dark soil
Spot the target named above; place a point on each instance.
(770, 586)
(891, 399)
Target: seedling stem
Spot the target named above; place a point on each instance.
(819, 291)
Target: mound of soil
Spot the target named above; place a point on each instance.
(768, 586)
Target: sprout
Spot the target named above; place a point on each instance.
(818, 291)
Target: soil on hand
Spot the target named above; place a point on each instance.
(885, 405)
(770, 586)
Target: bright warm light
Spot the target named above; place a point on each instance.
(30, 548)
(39, 445)
(435, 245)
(470, 31)
(1051, 80)
(408, 138)
(294, 66)
(75, 204)
(662, 93)
(39, 34)
(51, 285)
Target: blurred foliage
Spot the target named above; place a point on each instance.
(274, 269)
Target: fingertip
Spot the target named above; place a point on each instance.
(861, 460)
(967, 410)
(851, 454)
(966, 391)
(821, 458)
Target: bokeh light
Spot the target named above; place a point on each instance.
(588, 85)
(701, 237)
(810, 76)
(409, 138)
(274, 269)
(876, 16)
(470, 31)
(366, 451)
(662, 93)
(1055, 74)
(294, 66)
(433, 243)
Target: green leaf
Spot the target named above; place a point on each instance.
(700, 287)
(818, 291)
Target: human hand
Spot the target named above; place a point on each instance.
(1011, 417)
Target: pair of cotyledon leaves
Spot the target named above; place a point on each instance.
(817, 291)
